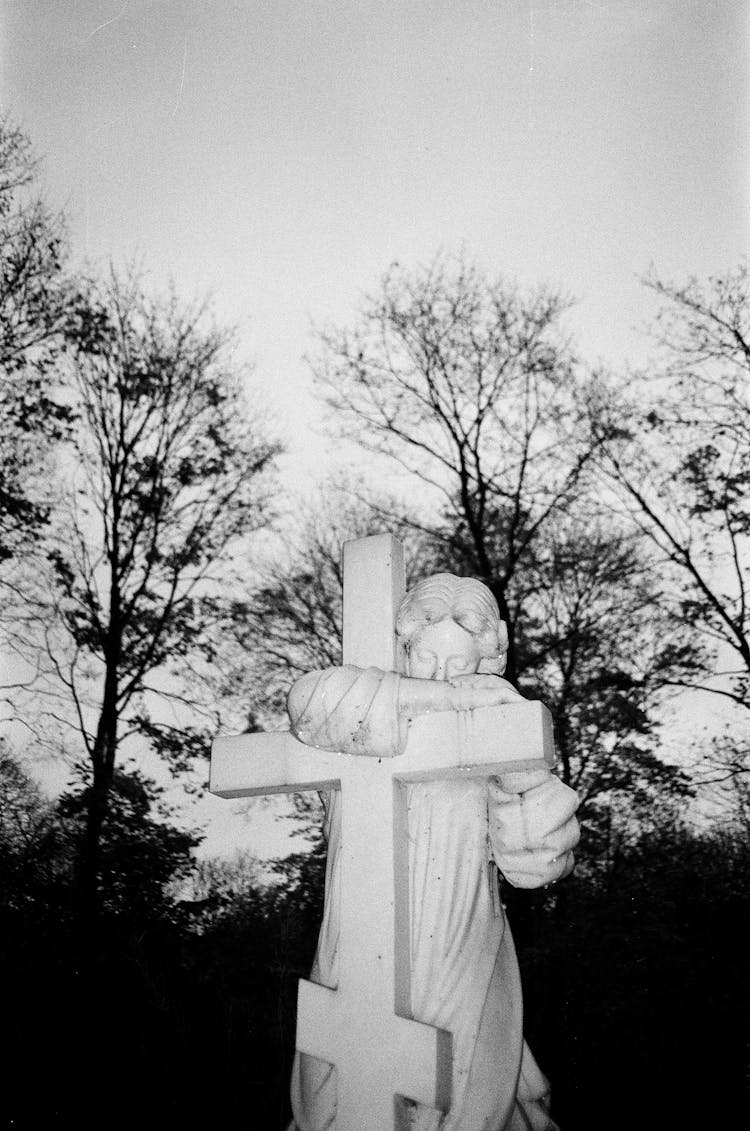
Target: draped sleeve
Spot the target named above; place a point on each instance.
(350, 709)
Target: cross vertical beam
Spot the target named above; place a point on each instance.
(374, 586)
(401, 1057)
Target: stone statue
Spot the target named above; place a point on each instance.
(464, 972)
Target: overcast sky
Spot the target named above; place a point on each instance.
(283, 153)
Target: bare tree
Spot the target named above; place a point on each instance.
(470, 387)
(675, 448)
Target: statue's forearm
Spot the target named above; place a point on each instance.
(421, 696)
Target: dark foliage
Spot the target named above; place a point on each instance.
(634, 988)
(35, 302)
(170, 1014)
(181, 1013)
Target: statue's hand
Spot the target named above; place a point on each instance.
(461, 693)
(492, 689)
(533, 828)
(467, 692)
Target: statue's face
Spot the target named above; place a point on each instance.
(442, 651)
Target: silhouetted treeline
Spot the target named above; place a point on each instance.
(178, 1011)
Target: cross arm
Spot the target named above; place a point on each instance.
(479, 743)
(248, 765)
(442, 745)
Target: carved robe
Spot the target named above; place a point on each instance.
(465, 974)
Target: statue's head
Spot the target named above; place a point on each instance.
(451, 626)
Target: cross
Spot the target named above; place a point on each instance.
(364, 1027)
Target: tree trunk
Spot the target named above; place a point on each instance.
(562, 744)
(511, 667)
(90, 845)
(103, 761)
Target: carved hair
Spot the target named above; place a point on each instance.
(463, 600)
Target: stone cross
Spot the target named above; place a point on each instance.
(364, 1026)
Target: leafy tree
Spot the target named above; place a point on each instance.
(142, 853)
(35, 848)
(170, 472)
(35, 302)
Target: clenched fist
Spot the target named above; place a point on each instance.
(533, 829)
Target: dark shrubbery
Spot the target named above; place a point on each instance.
(180, 1013)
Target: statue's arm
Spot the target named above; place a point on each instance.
(367, 711)
(532, 827)
(349, 709)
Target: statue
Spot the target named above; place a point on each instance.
(464, 972)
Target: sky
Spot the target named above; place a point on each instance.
(282, 153)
